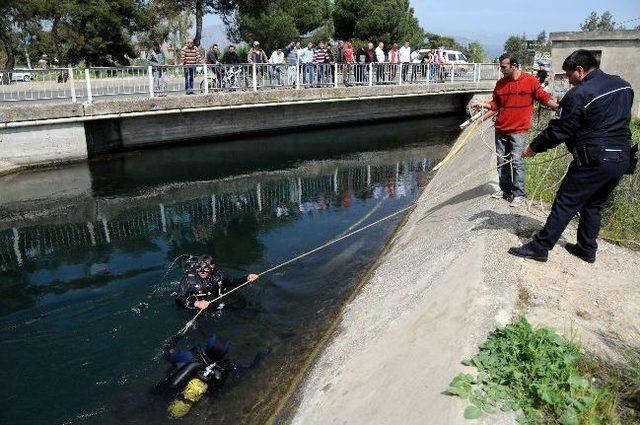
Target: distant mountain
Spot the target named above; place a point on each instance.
(214, 34)
(493, 42)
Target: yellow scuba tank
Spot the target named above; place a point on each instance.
(193, 392)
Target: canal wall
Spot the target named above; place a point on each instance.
(423, 308)
(49, 134)
(443, 284)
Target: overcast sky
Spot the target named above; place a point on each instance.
(492, 21)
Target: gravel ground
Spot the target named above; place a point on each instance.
(444, 283)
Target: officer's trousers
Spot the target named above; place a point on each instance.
(583, 190)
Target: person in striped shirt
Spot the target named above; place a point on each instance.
(320, 57)
(189, 57)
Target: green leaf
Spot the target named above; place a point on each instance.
(569, 417)
(577, 381)
(472, 412)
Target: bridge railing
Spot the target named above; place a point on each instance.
(87, 84)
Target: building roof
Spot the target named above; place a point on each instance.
(595, 35)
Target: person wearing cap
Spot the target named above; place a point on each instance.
(203, 282)
(256, 54)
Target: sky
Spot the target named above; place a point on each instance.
(492, 21)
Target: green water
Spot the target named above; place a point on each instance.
(82, 246)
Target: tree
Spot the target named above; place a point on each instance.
(437, 40)
(518, 44)
(594, 23)
(272, 28)
(590, 23)
(474, 52)
(543, 44)
(14, 13)
(377, 20)
(271, 21)
(98, 32)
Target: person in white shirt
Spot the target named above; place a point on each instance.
(405, 58)
(277, 62)
(380, 59)
(415, 64)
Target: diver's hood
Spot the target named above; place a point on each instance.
(216, 348)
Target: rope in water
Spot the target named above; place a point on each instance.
(191, 322)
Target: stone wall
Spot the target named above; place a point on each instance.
(619, 54)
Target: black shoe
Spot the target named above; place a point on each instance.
(528, 251)
(574, 249)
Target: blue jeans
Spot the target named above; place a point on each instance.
(308, 73)
(188, 77)
(511, 176)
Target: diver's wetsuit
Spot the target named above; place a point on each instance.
(193, 362)
(196, 361)
(193, 288)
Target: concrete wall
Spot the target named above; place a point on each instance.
(48, 144)
(32, 136)
(134, 132)
(620, 55)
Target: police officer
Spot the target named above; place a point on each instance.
(593, 121)
(202, 283)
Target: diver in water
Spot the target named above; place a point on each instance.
(202, 283)
(198, 370)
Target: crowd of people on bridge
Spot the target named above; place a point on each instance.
(314, 63)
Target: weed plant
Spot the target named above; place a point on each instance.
(536, 372)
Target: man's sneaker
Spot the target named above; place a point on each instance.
(574, 249)
(517, 201)
(498, 195)
(528, 250)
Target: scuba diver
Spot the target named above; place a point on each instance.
(194, 371)
(198, 370)
(202, 283)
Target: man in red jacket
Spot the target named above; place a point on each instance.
(513, 99)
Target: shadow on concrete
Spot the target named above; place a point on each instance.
(476, 192)
(518, 224)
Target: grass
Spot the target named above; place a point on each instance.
(621, 214)
(546, 379)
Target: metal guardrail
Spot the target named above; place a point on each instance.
(86, 84)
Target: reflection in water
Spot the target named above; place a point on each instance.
(69, 323)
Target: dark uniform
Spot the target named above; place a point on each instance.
(193, 288)
(593, 121)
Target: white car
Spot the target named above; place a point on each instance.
(18, 75)
(454, 56)
(451, 56)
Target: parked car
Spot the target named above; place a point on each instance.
(454, 56)
(17, 75)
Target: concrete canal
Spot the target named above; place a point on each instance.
(83, 249)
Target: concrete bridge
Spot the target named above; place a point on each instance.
(42, 134)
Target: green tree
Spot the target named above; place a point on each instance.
(377, 20)
(474, 52)
(274, 27)
(604, 22)
(272, 21)
(543, 44)
(518, 44)
(13, 19)
(97, 32)
(437, 40)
